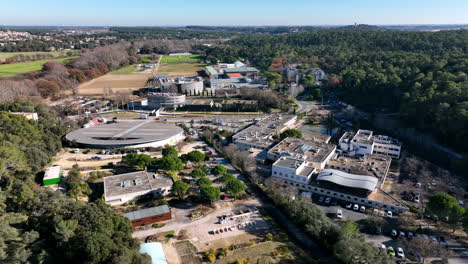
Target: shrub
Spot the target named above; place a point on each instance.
(269, 237)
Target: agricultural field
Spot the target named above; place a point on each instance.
(125, 70)
(24, 67)
(114, 84)
(4, 55)
(182, 59)
(183, 69)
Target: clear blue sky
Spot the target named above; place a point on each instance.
(240, 12)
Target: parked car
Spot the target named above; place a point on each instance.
(394, 233)
(389, 214)
(349, 206)
(327, 200)
(356, 207)
(402, 234)
(76, 150)
(321, 199)
(434, 240)
(400, 253)
(443, 242)
(426, 237)
(391, 251)
(382, 246)
(410, 235)
(339, 214)
(362, 209)
(416, 198)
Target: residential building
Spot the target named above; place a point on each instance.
(119, 189)
(149, 215)
(52, 175)
(365, 142)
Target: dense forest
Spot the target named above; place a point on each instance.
(420, 75)
(42, 226)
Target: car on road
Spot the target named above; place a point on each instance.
(327, 200)
(394, 233)
(349, 206)
(402, 234)
(339, 214)
(362, 209)
(391, 251)
(356, 207)
(400, 253)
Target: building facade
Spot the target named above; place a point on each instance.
(149, 215)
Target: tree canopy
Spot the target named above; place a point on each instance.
(180, 188)
(235, 187)
(291, 133)
(219, 170)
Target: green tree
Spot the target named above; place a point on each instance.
(180, 188)
(227, 177)
(219, 170)
(291, 133)
(210, 193)
(442, 205)
(204, 181)
(170, 151)
(196, 156)
(137, 160)
(349, 230)
(197, 173)
(235, 187)
(171, 163)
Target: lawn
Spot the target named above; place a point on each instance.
(125, 70)
(261, 252)
(24, 67)
(182, 58)
(181, 69)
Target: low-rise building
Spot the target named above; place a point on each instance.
(239, 105)
(172, 100)
(32, 116)
(316, 153)
(119, 189)
(263, 134)
(365, 142)
(296, 170)
(52, 175)
(149, 215)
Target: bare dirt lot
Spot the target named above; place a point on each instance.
(114, 83)
(181, 69)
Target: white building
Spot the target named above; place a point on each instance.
(122, 188)
(364, 142)
(296, 170)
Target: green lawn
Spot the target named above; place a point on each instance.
(125, 70)
(183, 58)
(24, 67)
(184, 68)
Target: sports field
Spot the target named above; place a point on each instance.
(24, 67)
(181, 69)
(194, 58)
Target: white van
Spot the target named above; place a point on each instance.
(339, 214)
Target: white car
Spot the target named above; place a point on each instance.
(389, 214)
(362, 209)
(394, 233)
(339, 214)
(400, 253)
(356, 207)
(76, 150)
(348, 206)
(383, 247)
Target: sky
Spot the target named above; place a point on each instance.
(232, 12)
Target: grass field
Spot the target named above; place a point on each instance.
(24, 67)
(4, 55)
(125, 70)
(183, 58)
(260, 253)
(185, 69)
